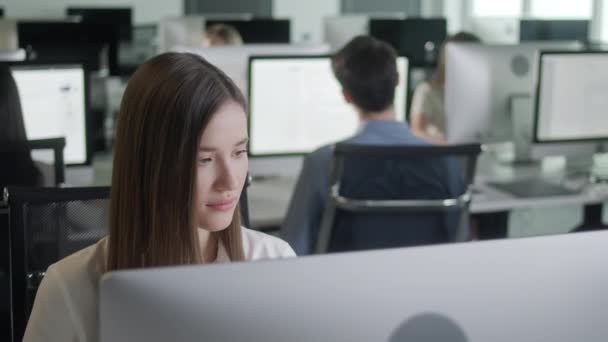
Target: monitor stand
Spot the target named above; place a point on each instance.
(520, 109)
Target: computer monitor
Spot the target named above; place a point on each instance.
(483, 81)
(296, 105)
(142, 47)
(116, 16)
(54, 104)
(234, 60)
(180, 32)
(259, 30)
(547, 288)
(538, 30)
(57, 41)
(571, 102)
(339, 30)
(419, 39)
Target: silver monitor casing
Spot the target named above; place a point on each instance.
(533, 289)
(481, 83)
(234, 60)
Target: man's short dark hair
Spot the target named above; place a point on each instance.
(367, 69)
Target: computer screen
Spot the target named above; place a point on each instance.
(296, 105)
(572, 97)
(535, 30)
(259, 31)
(120, 17)
(416, 38)
(481, 83)
(53, 101)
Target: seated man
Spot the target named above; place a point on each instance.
(367, 71)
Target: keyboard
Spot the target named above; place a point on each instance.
(527, 188)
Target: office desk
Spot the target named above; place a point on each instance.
(269, 198)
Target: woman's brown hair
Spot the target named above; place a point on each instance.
(167, 105)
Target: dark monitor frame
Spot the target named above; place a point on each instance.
(87, 107)
(106, 15)
(536, 115)
(281, 30)
(415, 54)
(53, 35)
(312, 57)
(535, 29)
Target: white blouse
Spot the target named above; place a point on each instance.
(66, 305)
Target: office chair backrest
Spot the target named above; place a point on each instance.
(18, 168)
(56, 145)
(396, 196)
(46, 225)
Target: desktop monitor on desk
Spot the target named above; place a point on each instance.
(485, 83)
(296, 105)
(233, 60)
(339, 30)
(119, 16)
(259, 30)
(525, 290)
(59, 41)
(539, 30)
(571, 103)
(419, 39)
(54, 104)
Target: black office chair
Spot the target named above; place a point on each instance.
(24, 173)
(397, 196)
(46, 225)
(14, 155)
(57, 145)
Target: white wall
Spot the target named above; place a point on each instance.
(306, 17)
(144, 11)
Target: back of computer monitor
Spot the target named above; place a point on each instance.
(339, 30)
(538, 30)
(419, 39)
(481, 84)
(528, 290)
(259, 30)
(184, 32)
(233, 60)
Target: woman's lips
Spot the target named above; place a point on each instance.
(223, 205)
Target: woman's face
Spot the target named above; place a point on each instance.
(221, 167)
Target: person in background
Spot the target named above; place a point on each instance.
(222, 34)
(18, 168)
(366, 68)
(180, 163)
(427, 112)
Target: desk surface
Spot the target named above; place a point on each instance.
(269, 198)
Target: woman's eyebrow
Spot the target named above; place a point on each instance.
(212, 149)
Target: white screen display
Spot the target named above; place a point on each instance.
(296, 105)
(573, 97)
(53, 105)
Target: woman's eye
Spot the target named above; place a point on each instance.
(241, 152)
(204, 160)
